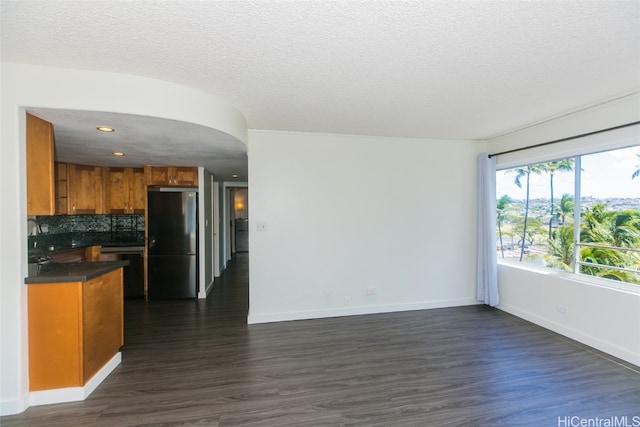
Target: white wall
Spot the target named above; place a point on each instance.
(205, 232)
(605, 318)
(600, 317)
(344, 213)
(625, 110)
(218, 228)
(31, 86)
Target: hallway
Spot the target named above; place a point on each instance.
(197, 363)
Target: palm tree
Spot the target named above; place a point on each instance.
(596, 225)
(566, 207)
(610, 228)
(525, 171)
(637, 172)
(564, 165)
(626, 229)
(560, 249)
(501, 207)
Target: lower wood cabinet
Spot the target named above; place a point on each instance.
(75, 328)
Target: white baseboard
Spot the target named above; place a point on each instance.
(14, 406)
(202, 293)
(207, 290)
(597, 343)
(357, 310)
(74, 394)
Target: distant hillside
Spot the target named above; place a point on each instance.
(541, 206)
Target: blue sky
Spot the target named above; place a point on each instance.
(604, 175)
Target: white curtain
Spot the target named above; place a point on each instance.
(486, 262)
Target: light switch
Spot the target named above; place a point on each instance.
(261, 226)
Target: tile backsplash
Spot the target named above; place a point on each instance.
(71, 223)
(82, 230)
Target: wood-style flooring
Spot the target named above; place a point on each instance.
(197, 363)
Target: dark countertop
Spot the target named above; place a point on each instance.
(73, 271)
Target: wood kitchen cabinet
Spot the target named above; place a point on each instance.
(125, 190)
(62, 188)
(171, 176)
(84, 190)
(40, 173)
(75, 328)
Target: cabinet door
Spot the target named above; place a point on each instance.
(117, 195)
(85, 189)
(125, 190)
(156, 175)
(40, 176)
(138, 203)
(102, 321)
(55, 335)
(185, 176)
(172, 175)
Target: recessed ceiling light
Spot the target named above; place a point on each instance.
(235, 175)
(118, 153)
(105, 129)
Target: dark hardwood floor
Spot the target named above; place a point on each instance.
(197, 363)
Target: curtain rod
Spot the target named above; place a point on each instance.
(569, 138)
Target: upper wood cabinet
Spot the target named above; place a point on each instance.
(138, 191)
(171, 176)
(85, 192)
(125, 191)
(62, 188)
(40, 176)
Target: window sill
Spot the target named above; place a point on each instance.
(579, 278)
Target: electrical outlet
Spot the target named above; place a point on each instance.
(371, 290)
(347, 300)
(562, 309)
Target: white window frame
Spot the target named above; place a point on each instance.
(607, 141)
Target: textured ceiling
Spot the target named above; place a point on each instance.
(144, 140)
(428, 69)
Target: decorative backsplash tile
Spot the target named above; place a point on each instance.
(72, 223)
(86, 230)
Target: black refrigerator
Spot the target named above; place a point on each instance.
(172, 215)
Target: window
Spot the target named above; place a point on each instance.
(537, 220)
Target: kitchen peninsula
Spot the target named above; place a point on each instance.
(75, 328)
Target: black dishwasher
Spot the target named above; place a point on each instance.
(133, 281)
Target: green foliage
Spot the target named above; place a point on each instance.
(525, 171)
(566, 208)
(610, 228)
(560, 249)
